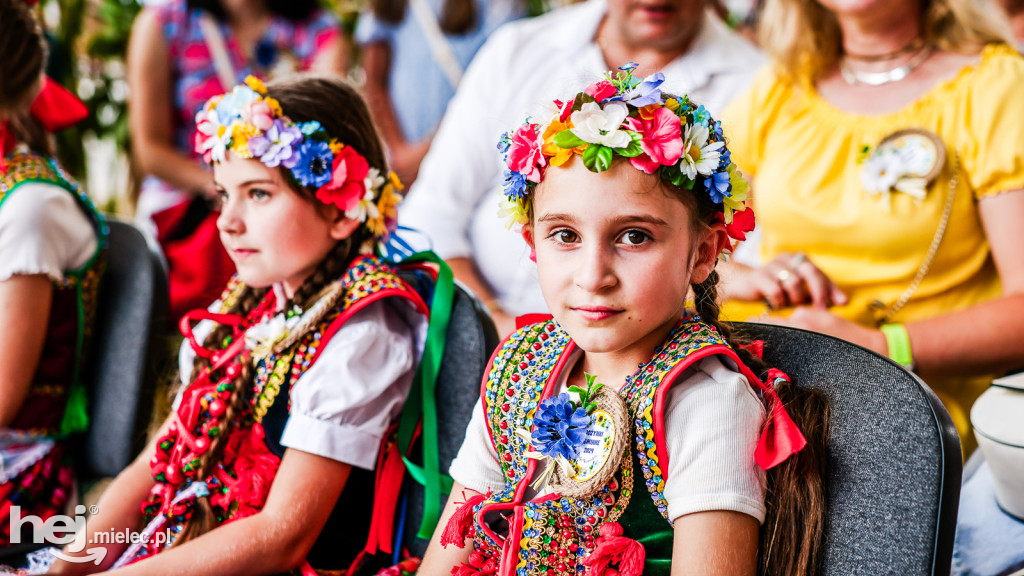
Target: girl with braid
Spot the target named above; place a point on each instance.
(52, 254)
(628, 434)
(296, 372)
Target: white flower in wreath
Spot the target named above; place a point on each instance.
(367, 207)
(265, 335)
(596, 125)
(699, 157)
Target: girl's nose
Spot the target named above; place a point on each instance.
(595, 271)
(230, 220)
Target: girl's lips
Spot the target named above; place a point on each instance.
(596, 313)
(242, 252)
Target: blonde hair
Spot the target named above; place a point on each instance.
(803, 37)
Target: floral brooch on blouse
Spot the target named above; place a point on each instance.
(628, 117)
(252, 125)
(907, 161)
(581, 435)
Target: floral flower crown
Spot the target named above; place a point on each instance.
(252, 125)
(632, 118)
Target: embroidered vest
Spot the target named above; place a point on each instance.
(72, 312)
(241, 480)
(553, 535)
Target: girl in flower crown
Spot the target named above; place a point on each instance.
(294, 375)
(628, 434)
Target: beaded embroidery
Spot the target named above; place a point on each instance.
(558, 533)
(365, 277)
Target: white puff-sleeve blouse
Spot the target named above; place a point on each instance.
(343, 404)
(43, 230)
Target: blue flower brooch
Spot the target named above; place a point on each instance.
(580, 436)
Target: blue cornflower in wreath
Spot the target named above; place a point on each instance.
(313, 169)
(561, 427)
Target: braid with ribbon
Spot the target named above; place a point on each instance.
(212, 433)
(791, 535)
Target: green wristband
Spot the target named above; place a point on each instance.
(899, 344)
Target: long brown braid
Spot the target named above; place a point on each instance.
(344, 115)
(791, 537)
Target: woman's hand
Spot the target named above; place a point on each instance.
(787, 280)
(825, 322)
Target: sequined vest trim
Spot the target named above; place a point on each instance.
(552, 535)
(73, 308)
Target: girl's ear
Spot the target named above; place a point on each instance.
(527, 233)
(710, 244)
(342, 226)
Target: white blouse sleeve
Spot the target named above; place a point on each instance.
(713, 420)
(342, 406)
(43, 230)
(476, 467)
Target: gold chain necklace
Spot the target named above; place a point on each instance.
(932, 248)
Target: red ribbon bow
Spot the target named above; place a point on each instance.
(781, 438)
(55, 108)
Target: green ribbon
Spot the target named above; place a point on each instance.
(76, 413)
(422, 401)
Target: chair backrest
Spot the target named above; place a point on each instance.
(121, 373)
(894, 463)
(470, 341)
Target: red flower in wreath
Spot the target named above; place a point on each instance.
(742, 222)
(347, 185)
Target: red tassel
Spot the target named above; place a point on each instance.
(478, 565)
(613, 548)
(457, 529)
(255, 467)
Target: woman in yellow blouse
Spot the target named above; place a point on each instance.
(886, 145)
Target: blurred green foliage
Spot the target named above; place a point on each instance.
(89, 39)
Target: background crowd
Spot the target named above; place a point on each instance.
(881, 138)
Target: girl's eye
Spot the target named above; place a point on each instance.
(634, 237)
(258, 194)
(565, 236)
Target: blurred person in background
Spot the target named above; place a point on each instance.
(52, 248)
(421, 47)
(887, 161)
(180, 54)
(523, 66)
(1014, 10)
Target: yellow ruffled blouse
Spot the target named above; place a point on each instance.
(805, 158)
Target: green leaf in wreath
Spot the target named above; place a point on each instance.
(566, 139)
(605, 155)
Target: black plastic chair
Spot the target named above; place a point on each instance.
(121, 375)
(895, 463)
